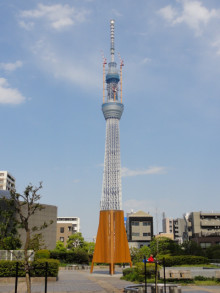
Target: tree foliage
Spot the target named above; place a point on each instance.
(213, 252)
(192, 248)
(60, 247)
(164, 245)
(9, 238)
(76, 240)
(138, 254)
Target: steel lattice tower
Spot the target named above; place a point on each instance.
(112, 110)
(111, 242)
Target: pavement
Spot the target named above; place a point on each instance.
(84, 282)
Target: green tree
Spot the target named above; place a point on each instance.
(60, 247)
(75, 240)
(9, 238)
(164, 245)
(213, 252)
(137, 254)
(36, 242)
(192, 248)
(26, 205)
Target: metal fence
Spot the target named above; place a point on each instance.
(44, 266)
(15, 255)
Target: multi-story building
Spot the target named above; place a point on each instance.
(179, 227)
(139, 228)
(48, 214)
(175, 227)
(167, 225)
(203, 227)
(7, 181)
(66, 226)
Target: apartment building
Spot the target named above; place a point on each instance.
(175, 227)
(203, 227)
(7, 181)
(139, 228)
(167, 225)
(66, 226)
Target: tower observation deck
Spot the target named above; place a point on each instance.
(112, 110)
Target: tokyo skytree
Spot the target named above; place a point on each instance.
(111, 242)
(112, 109)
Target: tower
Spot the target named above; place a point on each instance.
(111, 242)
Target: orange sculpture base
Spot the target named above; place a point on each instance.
(111, 242)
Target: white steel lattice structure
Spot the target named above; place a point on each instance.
(112, 109)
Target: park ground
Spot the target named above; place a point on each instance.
(84, 282)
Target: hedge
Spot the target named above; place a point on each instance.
(43, 253)
(78, 256)
(182, 260)
(8, 268)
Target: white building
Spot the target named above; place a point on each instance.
(66, 226)
(7, 181)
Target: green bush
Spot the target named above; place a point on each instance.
(8, 268)
(127, 271)
(39, 266)
(43, 253)
(78, 256)
(137, 273)
(182, 260)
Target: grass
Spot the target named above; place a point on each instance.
(207, 283)
(199, 265)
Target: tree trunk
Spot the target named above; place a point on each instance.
(26, 263)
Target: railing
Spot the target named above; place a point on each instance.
(45, 267)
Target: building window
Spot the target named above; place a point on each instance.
(146, 234)
(62, 239)
(135, 234)
(69, 228)
(205, 244)
(2, 174)
(146, 223)
(135, 223)
(61, 229)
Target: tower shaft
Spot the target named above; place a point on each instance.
(111, 189)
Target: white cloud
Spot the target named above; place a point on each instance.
(136, 205)
(11, 66)
(64, 68)
(192, 13)
(116, 13)
(216, 44)
(58, 16)
(28, 25)
(125, 172)
(168, 13)
(9, 95)
(146, 60)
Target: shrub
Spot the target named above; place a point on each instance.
(182, 260)
(78, 256)
(8, 268)
(127, 271)
(43, 253)
(39, 267)
(137, 273)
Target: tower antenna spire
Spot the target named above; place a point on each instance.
(112, 48)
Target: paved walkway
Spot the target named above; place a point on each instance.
(84, 282)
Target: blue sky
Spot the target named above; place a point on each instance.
(53, 129)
